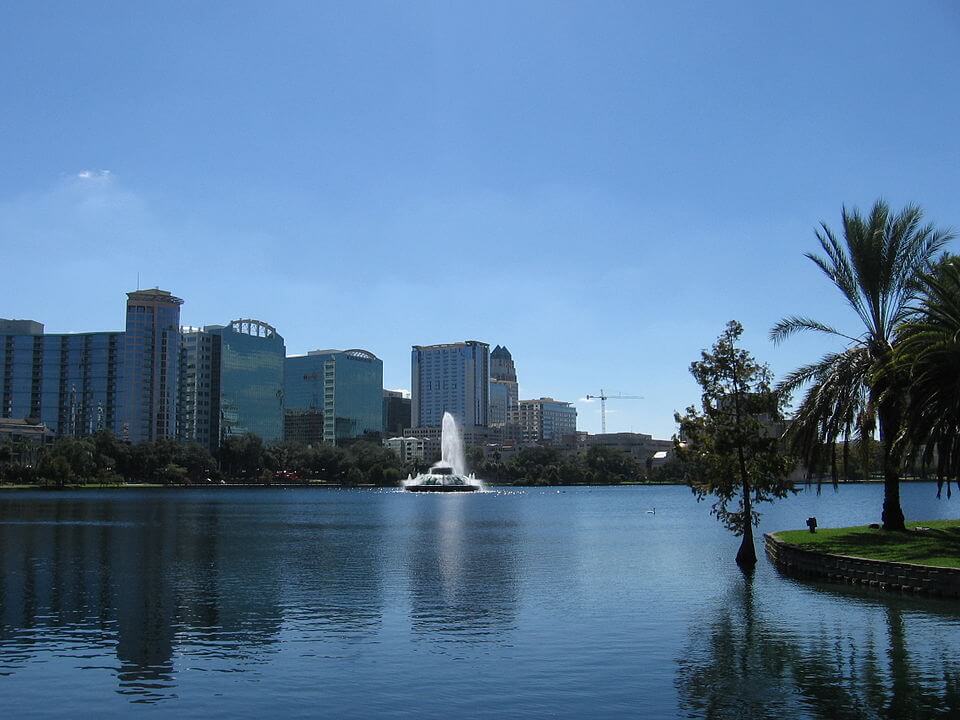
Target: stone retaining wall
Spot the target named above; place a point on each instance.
(904, 577)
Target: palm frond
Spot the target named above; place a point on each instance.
(793, 324)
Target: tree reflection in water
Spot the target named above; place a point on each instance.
(749, 666)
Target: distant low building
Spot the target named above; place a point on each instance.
(17, 430)
(638, 445)
(472, 436)
(25, 438)
(408, 449)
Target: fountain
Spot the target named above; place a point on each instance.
(450, 474)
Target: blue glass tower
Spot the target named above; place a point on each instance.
(345, 386)
(251, 379)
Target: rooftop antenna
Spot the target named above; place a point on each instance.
(138, 279)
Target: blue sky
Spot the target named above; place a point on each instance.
(599, 186)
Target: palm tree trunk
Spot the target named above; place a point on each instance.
(889, 414)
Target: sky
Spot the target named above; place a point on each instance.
(599, 186)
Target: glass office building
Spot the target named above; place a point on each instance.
(452, 378)
(251, 379)
(69, 382)
(151, 366)
(231, 382)
(499, 404)
(345, 386)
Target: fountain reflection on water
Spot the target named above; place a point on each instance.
(450, 474)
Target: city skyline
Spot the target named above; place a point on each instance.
(619, 182)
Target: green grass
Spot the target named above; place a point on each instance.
(933, 542)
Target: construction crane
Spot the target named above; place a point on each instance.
(603, 397)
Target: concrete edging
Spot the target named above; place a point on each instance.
(903, 577)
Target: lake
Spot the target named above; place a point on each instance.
(533, 603)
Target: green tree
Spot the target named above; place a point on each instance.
(858, 389)
(172, 474)
(611, 466)
(729, 454)
(474, 457)
(354, 476)
(55, 468)
(242, 456)
(928, 351)
(392, 477)
(197, 461)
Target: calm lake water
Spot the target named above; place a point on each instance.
(529, 603)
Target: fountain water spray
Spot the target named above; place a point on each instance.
(450, 474)
(451, 446)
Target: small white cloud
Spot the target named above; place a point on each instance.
(93, 174)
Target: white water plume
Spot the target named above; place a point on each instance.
(451, 446)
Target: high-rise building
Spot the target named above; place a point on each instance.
(346, 386)
(251, 379)
(151, 365)
(452, 378)
(546, 421)
(501, 365)
(504, 390)
(198, 412)
(231, 382)
(499, 412)
(396, 412)
(69, 382)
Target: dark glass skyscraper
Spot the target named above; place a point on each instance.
(151, 363)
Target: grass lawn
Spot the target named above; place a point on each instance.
(934, 542)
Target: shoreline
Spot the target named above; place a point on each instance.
(805, 562)
(330, 485)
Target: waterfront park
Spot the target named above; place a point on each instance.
(480, 361)
(159, 560)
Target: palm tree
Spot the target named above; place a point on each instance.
(928, 349)
(857, 390)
